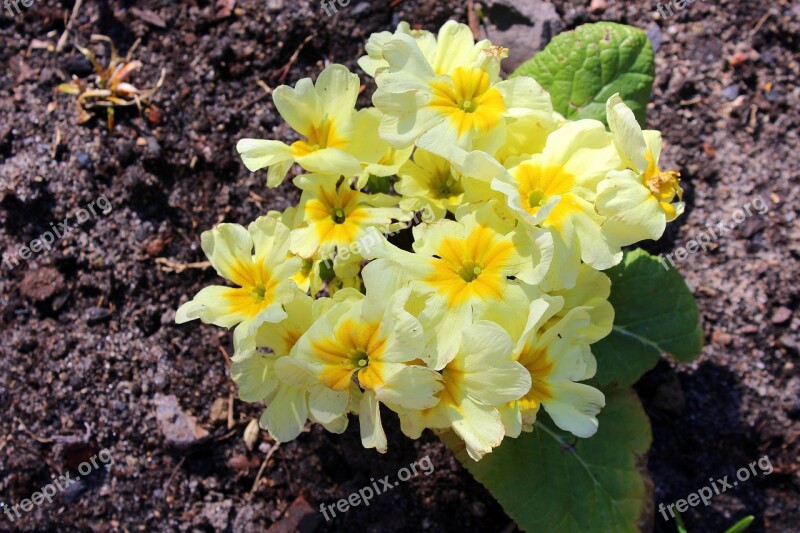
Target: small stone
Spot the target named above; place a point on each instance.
(97, 315)
(788, 342)
(246, 518)
(781, 315)
(160, 381)
(41, 284)
(738, 58)
(264, 447)
(84, 160)
(749, 329)
(299, 517)
(361, 7)
(168, 317)
(598, 6)
(731, 92)
(153, 148)
(721, 337)
(218, 514)
(242, 462)
(653, 33)
(178, 428)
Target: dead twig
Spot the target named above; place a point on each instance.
(751, 127)
(174, 473)
(62, 41)
(270, 453)
(472, 20)
(31, 434)
(284, 70)
(257, 99)
(760, 23)
(168, 265)
(225, 354)
(226, 436)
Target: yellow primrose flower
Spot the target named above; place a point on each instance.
(555, 190)
(336, 139)
(525, 136)
(263, 277)
(479, 380)
(640, 200)
(463, 104)
(336, 217)
(437, 186)
(375, 343)
(453, 47)
(590, 293)
(290, 402)
(555, 355)
(465, 266)
(429, 182)
(297, 397)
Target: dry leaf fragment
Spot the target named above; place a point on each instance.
(251, 434)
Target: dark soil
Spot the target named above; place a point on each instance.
(88, 338)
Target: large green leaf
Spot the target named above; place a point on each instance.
(655, 312)
(583, 68)
(549, 480)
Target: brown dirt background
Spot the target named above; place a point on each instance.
(87, 329)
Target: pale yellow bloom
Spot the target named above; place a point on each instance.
(336, 217)
(335, 138)
(550, 343)
(640, 200)
(373, 342)
(452, 48)
(291, 395)
(455, 98)
(555, 190)
(478, 381)
(464, 266)
(429, 182)
(254, 259)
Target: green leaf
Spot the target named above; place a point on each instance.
(582, 68)
(549, 480)
(741, 525)
(655, 312)
(378, 184)
(679, 523)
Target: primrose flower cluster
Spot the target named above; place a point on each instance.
(489, 316)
